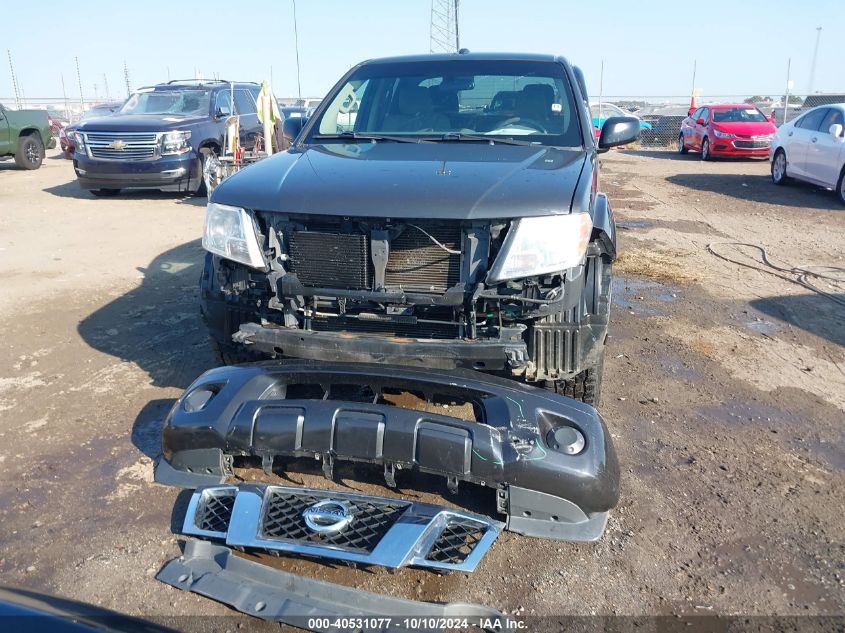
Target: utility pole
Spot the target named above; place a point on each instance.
(815, 58)
(14, 80)
(106, 87)
(64, 96)
(788, 86)
(694, 68)
(296, 44)
(79, 81)
(126, 78)
(457, 30)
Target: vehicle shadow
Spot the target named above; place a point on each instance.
(812, 313)
(157, 325)
(659, 152)
(672, 154)
(72, 189)
(760, 188)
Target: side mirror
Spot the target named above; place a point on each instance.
(618, 130)
(221, 112)
(291, 128)
(700, 121)
(836, 132)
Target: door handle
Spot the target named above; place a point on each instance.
(814, 139)
(790, 134)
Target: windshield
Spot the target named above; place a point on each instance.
(176, 102)
(607, 110)
(739, 115)
(528, 100)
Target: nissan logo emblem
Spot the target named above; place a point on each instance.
(328, 516)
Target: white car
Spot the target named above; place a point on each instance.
(812, 148)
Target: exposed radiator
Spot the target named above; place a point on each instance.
(417, 264)
(331, 260)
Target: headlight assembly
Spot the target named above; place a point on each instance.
(538, 246)
(721, 134)
(175, 142)
(231, 233)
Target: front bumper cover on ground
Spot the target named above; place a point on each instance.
(546, 486)
(271, 594)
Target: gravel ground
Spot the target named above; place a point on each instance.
(724, 392)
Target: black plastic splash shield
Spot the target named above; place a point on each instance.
(215, 572)
(252, 410)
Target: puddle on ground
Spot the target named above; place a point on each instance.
(794, 430)
(673, 365)
(792, 575)
(762, 326)
(630, 293)
(627, 225)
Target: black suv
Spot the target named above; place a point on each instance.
(436, 211)
(162, 136)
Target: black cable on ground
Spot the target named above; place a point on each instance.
(793, 274)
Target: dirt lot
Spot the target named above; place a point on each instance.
(724, 392)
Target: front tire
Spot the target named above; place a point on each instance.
(586, 386)
(705, 150)
(840, 188)
(779, 176)
(30, 153)
(682, 147)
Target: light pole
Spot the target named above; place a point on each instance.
(815, 58)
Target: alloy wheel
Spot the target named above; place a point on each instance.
(779, 167)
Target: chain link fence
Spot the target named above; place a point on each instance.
(661, 116)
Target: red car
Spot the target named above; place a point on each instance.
(727, 129)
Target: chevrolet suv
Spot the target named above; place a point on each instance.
(436, 211)
(162, 137)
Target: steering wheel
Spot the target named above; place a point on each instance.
(526, 122)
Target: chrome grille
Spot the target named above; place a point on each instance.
(123, 145)
(456, 541)
(215, 511)
(282, 519)
(383, 531)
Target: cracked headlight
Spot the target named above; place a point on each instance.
(231, 233)
(537, 246)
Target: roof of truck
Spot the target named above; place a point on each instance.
(464, 55)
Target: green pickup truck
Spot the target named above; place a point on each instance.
(23, 134)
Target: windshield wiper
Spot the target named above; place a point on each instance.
(453, 137)
(363, 136)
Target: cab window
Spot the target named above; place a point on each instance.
(222, 103)
(812, 120)
(244, 103)
(834, 117)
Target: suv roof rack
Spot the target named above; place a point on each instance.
(200, 82)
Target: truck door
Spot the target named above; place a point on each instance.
(246, 110)
(5, 138)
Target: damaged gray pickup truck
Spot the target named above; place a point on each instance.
(428, 271)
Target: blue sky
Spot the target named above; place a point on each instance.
(648, 47)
